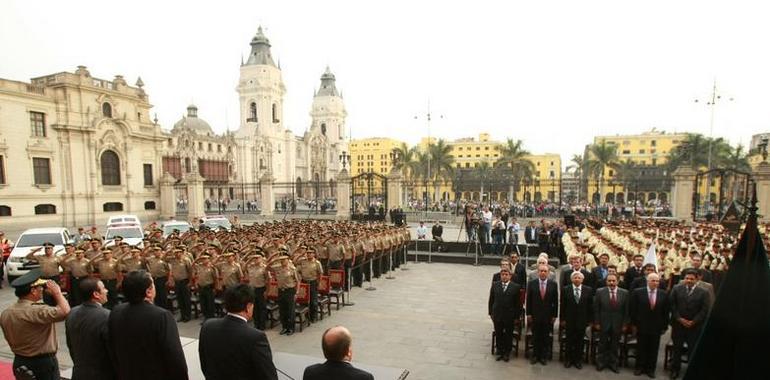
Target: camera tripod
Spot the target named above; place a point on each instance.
(477, 247)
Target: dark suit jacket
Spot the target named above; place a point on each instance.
(520, 275)
(646, 320)
(540, 308)
(230, 348)
(567, 274)
(145, 344)
(504, 305)
(707, 276)
(611, 319)
(639, 282)
(597, 281)
(576, 313)
(693, 307)
(334, 370)
(528, 235)
(630, 275)
(87, 340)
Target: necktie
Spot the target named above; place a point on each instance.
(577, 295)
(613, 299)
(689, 290)
(542, 289)
(652, 299)
(505, 286)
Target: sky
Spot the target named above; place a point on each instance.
(552, 73)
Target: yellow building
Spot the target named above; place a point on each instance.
(371, 155)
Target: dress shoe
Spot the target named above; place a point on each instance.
(579, 365)
(567, 364)
(599, 367)
(283, 332)
(498, 358)
(506, 357)
(651, 374)
(289, 332)
(543, 362)
(674, 375)
(533, 361)
(614, 368)
(637, 372)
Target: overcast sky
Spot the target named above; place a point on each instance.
(553, 73)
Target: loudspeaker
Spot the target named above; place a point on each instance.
(569, 220)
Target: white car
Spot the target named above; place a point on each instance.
(119, 219)
(214, 222)
(171, 225)
(131, 233)
(31, 239)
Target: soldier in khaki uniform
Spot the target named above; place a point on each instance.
(50, 266)
(205, 279)
(79, 268)
(30, 328)
(310, 270)
(256, 272)
(181, 272)
(230, 272)
(288, 278)
(336, 253)
(159, 270)
(107, 266)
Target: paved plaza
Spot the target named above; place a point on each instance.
(430, 319)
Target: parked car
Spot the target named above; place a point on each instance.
(215, 222)
(123, 219)
(171, 225)
(33, 238)
(132, 233)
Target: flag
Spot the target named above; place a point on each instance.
(735, 339)
(651, 257)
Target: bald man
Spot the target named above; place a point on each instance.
(649, 312)
(336, 344)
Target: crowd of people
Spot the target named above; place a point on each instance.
(255, 261)
(625, 281)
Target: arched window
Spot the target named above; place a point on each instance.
(323, 129)
(110, 168)
(299, 187)
(275, 113)
(5, 211)
(106, 109)
(149, 205)
(112, 206)
(252, 113)
(45, 209)
(187, 167)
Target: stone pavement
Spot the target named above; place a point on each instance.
(430, 320)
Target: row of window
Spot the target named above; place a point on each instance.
(253, 113)
(109, 163)
(45, 209)
(170, 144)
(477, 148)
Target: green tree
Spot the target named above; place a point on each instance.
(441, 164)
(626, 173)
(601, 155)
(483, 173)
(579, 166)
(514, 156)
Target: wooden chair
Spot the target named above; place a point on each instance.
(627, 348)
(302, 307)
(195, 304)
(517, 327)
(529, 343)
(271, 294)
(337, 290)
(324, 301)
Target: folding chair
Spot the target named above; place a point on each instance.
(337, 290)
(302, 307)
(324, 301)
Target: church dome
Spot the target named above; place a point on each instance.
(191, 121)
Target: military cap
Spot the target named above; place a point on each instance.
(68, 244)
(31, 279)
(48, 244)
(118, 237)
(79, 251)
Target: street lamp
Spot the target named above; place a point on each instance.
(344, 158)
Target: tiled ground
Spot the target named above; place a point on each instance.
(430, 320)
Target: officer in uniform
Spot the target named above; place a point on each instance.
(181, 271)
(30, 327)
(159, 270)
(107, 266)
(288, 278)
(258, 276)
(79, 268)
(230, 272)
(205, 278)
(311, 270)
(50, 265)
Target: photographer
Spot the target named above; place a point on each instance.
(498, 234)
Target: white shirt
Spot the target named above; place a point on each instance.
(487, 215)
(238, 316)
(422, 231)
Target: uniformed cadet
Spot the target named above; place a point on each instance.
(129, 262)
(336, 252)
(92, 250)
(288, 278)
(258, 276)
(107, 266)
(311, 270)
(159, 270)
(181, 272)
(205, 278)
(79, 268)
(30, 327)
(50, 266)
(230, 272)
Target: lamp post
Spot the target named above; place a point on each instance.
(344, 159)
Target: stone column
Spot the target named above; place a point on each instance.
(266, 196)
(343, 195)
(167, 197)
(682, 192)
(762, 179)
(395, 188)
(195, 199)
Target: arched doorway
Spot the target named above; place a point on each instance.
(299, 187)
(620, 198)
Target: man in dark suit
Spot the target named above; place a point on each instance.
(518, 272)
(576, 265)
(610, 320)
(542, 309)
(599, 274)
(229, 347)
(649, 311)
(633, 272)
(504, 309)
(336, 345)
(86, 331)
(531, 233)
(697, 262)
(641, 281)
(689, 307)
(576, 309)
(504, 264)
(144, 339)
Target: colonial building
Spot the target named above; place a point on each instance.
(268, 149)
(74, 148)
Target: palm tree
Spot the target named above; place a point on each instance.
(514, 156)
(408, 164)
(736, 159)
(579, 166)
(626, 173)
(483, 172)
(602, 155)
(441, 163)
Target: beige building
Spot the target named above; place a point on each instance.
(74, 149)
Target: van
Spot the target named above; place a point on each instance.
(30, 239)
